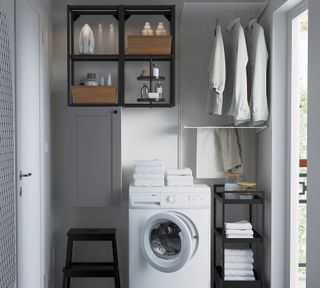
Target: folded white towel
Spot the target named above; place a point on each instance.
(179, 178)
(148, 170)
(239, 278)
(235, 236)
(239, 232)
(231, 187)
(184, 172)
(179, 183)
(242, 225)
(148, 163)
(229, 272)
(148, 176)
(238, 259)
(148, 183)
(238, 266)
(238, 252)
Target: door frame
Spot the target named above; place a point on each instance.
(293, 152)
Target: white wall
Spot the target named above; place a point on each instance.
(313, 227)
(146, 133)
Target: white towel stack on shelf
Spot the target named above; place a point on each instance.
(238, 265)
(179, 177)
(148, 173)
(240, 229)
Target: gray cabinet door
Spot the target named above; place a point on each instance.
(97, 157)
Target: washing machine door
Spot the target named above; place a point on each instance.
(168, 241)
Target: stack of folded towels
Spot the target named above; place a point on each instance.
(179, 177)
(238, 265)
(149, 173)
(240, 229)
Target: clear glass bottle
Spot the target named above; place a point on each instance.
(159, 89)
(144, 91)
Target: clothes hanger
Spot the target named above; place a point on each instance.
(217, 22)
(232, 23)
(252, 21)
(250, 24)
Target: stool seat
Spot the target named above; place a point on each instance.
(92, 234)
(91, 269)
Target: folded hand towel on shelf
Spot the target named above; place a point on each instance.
(238, 252)
(148, 176)
(235, 236)
(238, 259)
(179, 178)
(148, 170)
(239, 232)
(238, 266)
(179, 183)
(148, 183)
(242, 225)
(183, 172)
(239, 278)
(236, 272)
(148, 163)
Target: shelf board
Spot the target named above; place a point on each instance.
(257, 238)
(95, 57)
(151, 100)
(148, 105)
(240, 197)
(152, 78)
(236, 284)
(148, 57)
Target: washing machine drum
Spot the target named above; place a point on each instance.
(169, 241)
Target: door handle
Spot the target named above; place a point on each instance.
(24, 175)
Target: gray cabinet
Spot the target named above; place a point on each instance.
(96, 157)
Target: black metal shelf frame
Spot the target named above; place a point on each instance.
(221, 196)
(121, 13)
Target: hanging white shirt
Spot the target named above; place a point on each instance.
(258, 59)
(217, 74)
(239, 108)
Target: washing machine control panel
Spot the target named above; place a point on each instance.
(186, 200)
(170, 197)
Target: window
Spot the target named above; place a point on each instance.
(298, 98)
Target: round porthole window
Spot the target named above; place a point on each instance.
(168, 241)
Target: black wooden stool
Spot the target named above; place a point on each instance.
(91, 269)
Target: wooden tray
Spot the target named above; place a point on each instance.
(94, 95)
(149, 45)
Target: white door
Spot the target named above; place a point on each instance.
(28, 145)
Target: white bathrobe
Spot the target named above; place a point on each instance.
(217, 75)
(239, 108)
(258, 59)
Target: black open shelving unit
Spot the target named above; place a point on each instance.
(250, 198)
(122, 13)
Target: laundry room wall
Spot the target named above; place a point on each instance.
(146, 133)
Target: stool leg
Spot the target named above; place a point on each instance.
(65, 281)
(68, 282)
(117, 281)
(115, 261)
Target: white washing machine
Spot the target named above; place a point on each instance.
(169, 237)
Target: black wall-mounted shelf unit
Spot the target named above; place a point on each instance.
(250, 198)
(121, 13)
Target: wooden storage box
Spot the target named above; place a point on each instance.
(94, 95)
(149, 45)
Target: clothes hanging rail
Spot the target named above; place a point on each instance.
(225, 127)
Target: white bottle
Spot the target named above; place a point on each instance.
(155, 71)
(109, 81)
(86, 40)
